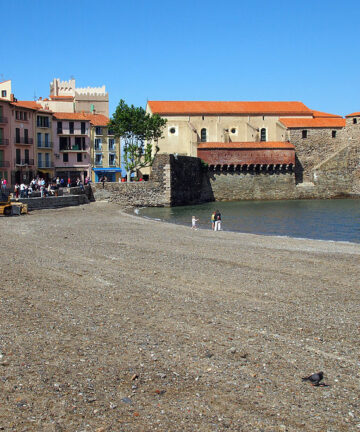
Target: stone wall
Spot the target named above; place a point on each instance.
(318, 146)
(232, 186)
(54, 202)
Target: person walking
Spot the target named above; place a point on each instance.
(16, 188)
(217, 221)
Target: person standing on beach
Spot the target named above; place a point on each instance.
(213, 221)
(217, 221)
(193, 223)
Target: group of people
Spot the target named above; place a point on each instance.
(215, 221)
(39, 184)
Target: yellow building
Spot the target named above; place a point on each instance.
(105, 150)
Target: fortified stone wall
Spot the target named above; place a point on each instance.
(318, 145)
(231, 186)
(54, 202)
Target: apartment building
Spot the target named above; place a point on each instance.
(105, 151)
(71, 132)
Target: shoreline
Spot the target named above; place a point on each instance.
(118, 322)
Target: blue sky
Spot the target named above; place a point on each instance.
(187, 50)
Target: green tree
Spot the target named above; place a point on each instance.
(139, 132)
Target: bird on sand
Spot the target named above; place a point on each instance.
(314, 378)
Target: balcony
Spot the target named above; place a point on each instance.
(4, 142)
(74, 148)
(24, 162)
(45, 164)
(3, 119)
(4, 164)
(41, 145)
(23, 140)
(72, 132)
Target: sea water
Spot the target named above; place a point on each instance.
(337, 220)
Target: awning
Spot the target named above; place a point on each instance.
(107, 169)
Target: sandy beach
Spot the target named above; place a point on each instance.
(112, 322)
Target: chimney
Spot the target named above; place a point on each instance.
(12, 98)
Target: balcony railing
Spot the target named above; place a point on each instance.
(4, 164)
(72, 132)
(4, 142)
(98, 164)
(23, 162)
(44, 164)
(73, 148)
(23, 140)
(42, 145)
(3, 119)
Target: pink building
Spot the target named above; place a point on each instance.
(5, 145)
(21, 140)
(71, 132)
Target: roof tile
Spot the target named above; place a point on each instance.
(247, 145)
(313, 123)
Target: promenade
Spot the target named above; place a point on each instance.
(111, 322)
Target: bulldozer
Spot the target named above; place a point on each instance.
(8, 208)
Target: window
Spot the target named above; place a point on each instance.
(3, 93)
(27, 154)
(111, 144)
(79, 157)
(39, 139)
(59, 127)
(304, 134)
(98, 130)
(64, 143)
(263, 134)
(40, 160)
(97, 144)
(18, 156)
(83, 128)
(25, 116)
(17, 139)
(203, 135)
(333, 134)
(47, 143)
(203, 117)
(65, 157)
(79, 143)
(111, 159)
(71, 127)
(110, 132)
(47, 160)
(172, 130)
(233, 130)
(354, 120)
(42, 121)
(98, 159)
(26, 136)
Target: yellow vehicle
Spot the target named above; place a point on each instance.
(5, 206)
(8, 208)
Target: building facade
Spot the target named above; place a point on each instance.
(71, 133)
(105, 151)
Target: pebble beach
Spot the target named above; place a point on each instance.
(113, 322)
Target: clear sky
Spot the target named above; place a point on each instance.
(187, 50)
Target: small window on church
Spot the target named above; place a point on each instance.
(172, 130)
(333, 134)
(354, 120)
(263, 134)
(233, 130)
(304, 134)
(203, 135)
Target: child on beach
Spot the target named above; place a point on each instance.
(193, 223)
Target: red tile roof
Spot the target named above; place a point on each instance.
(321, 114)
(206, 107)
(95, 119)
(313, 123)
(355, 114)
(247, 145)
(27, 104)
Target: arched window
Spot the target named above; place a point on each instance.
(263, 134)
(203, 135)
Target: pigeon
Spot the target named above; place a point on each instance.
(314, 378)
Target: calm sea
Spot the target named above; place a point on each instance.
(315, 219)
